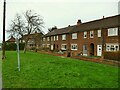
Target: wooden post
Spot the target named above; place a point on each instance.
(3, 43)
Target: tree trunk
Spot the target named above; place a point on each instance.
(25, 47)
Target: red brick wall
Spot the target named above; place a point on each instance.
(80, 41)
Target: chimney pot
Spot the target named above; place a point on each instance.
(103, 17)
(79, 22)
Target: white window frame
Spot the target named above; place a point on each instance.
(73, 48)
(112, 31)
(64, 37)
(48, 38)
(54, 38)
(91, 32)
(85, 34)
(62, 48)
(74, 35)
(99, 33)
(43, 45)
(57, 37)
(112, 47)
(48, 45)
(51, 38)
(44, 39)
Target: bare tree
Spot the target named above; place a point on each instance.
(17, 27)
(34, 23)
(22, 28)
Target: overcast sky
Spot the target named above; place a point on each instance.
(60, 13)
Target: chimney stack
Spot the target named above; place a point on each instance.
(79, 22)
(103, 17)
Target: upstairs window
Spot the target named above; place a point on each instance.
(57, 37)
(99, 33)
(74, 36)
(64, 37)
(91, 34)
(74, 47)
(43, 39)
(85, 34)
(48, 38)
(112, 31)
(51, 38)
(54, 38)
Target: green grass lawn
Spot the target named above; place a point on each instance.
(47, 71)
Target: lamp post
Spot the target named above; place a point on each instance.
(3, 43)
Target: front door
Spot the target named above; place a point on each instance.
(51, 47)
(84, 50)
(91, 49)
(99, 50)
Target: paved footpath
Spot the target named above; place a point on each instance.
(0, 70)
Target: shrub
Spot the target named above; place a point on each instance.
(13, 46)
(112, 55)
(44, 48)
(21, 46)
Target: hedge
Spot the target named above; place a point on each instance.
(112, 55)
(13, 46)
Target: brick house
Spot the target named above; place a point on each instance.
(11, 40)
(89, 38)
(34, 40)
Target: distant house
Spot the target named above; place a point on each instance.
(90, 38)
(11, 40)
(34, 40)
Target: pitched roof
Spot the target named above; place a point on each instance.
(107, 22)
(12, 39)
(33, 34)
(60, 31)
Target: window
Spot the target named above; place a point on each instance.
(112, 47)
(48, 45)
(43, 45)
(74, 36)
(73, 46)
(85, 34)
(23, 41)
(51, 38)
(43, 39)
(64, 37)
(54, 38)
(112, 31)
(57, 37)
(63, 47)
(99, 33)
(91, 34)
(48, 38)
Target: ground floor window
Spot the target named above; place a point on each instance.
(43, 45)
(112, 47)
(48, 45)
(63, 47)
(74, 46)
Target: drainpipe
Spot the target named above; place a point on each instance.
(103, 40)
(68, 51)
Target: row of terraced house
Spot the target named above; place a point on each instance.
(89, 38)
